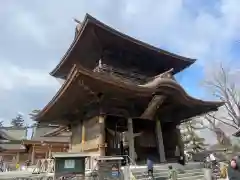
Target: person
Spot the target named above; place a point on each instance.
(224, 171)
(1, 165)
(172, 174)
(17, 166)
(132, 177)
(126, 156)
(213, 159)
(150, 166)
(207, 159)
(27, 163)
(233, 172)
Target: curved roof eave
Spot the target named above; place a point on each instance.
(104, 79)
(165, 83)
(88, 18)
(70, 78)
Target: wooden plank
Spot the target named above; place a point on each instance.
(88, 145)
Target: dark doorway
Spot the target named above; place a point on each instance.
(115, 126)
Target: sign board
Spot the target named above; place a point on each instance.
(69, 164)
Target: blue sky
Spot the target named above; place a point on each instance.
(34, 35)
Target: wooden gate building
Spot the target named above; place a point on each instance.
(119, 94)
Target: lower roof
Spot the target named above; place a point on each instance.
(13, 133)
(12, 147)
(83, 85)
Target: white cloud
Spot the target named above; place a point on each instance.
(14, 76)
(21, 22)
(204, 35)
(29, 26)
(198, 33)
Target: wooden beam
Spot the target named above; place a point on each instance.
(33, 155)
(83, 133)
(153, 106)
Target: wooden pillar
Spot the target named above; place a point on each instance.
(161, 149)
(83, 133)
(131, 140)
(153, 106)
(49, 151)
(102, 135)
(33, 155)
(179, 140)
(17, 157)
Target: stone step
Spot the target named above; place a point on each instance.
(165, 171)
(163, 167)
(195, 174)
(139, 176)
(200, 177)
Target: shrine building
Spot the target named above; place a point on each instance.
(120, 95)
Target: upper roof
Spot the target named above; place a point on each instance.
(97, 36)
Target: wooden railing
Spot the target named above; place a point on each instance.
(44, 166)
(129, 75)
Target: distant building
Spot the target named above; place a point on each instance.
(11, 148)
(45, 140)
(15, 147)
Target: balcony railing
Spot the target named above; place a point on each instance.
(127, 75)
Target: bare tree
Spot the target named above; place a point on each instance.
(224, 88)
(213, 125)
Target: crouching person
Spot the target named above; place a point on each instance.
(172, 173)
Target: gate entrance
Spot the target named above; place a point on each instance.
(115, 128)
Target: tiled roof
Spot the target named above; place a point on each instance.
(13, 133)
(40, 132)
(12, 147)
(61, 131)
